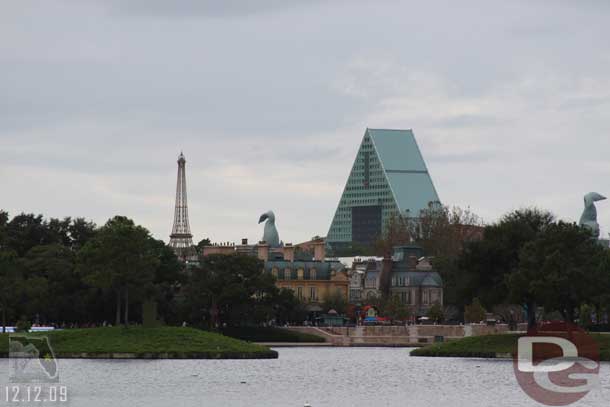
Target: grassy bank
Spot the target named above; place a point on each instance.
(256, 334)
(137, 342)
(490, 346)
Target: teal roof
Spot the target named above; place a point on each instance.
(397, 149)
(420, 278)
(404, 168)
(432, 280)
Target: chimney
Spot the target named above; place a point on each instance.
(244, 241)
(385, 280)
(289, 252)
(319, 250)
(412, 263)
(263, 250)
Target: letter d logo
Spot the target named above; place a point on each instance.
(557, 364)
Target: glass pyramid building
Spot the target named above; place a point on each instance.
(389, 176)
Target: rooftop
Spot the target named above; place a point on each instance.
(405, 169)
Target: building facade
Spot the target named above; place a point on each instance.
(311, 281)
(408, 275)
(388, 177)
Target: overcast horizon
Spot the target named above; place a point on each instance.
(269, 101)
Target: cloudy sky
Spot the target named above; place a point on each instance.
(269, 99)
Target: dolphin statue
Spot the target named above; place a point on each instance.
(588, 218)
(270, 235)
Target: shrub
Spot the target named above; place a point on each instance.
(474, 312)
(436, 313)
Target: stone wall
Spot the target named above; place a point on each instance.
(452, 331)
(411, 335)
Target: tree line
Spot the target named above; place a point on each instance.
(532, 259)
(528, 262)
(72, 272)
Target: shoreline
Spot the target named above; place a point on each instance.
(137, 343)
(271, 354)
(332, 345)
(501, 346)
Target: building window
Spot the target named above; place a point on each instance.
(434, 297)
(404, 297)
(300, 293)
(313, 293)
(300, 274)
(425, 297)
(312, 274)
(287, 274)
(275, 272)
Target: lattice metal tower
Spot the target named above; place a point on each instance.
(181, 239)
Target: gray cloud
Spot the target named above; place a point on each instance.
(269, 101)
(190, 8)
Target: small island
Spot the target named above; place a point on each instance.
(146, 343)
(493, 346)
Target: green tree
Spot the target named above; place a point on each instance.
(557, 270)
(584, 316)
(81, 231)
(475, 312)
(436, 313)
(395, 309)
(58, 231)
(600, 295)
(52, 285)
(335, 300)
(168, 279)
(288, 308)
(3, 228)
(10, 287)
(202, 243)
(119, 258)
(484, 265)
(25, 231)
(227, 289)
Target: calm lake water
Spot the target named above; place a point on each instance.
(320, 376)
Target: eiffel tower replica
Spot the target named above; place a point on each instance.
(181, 239)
